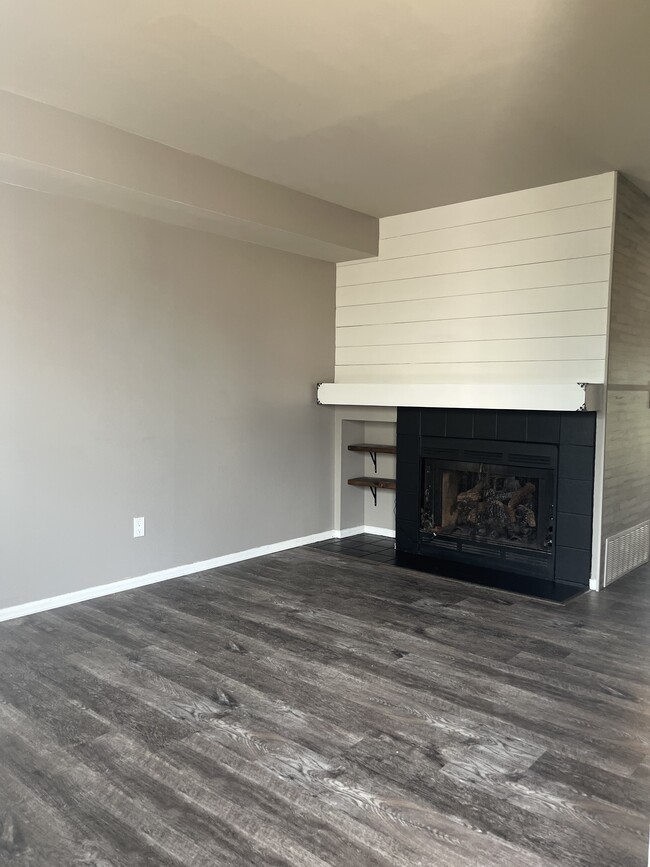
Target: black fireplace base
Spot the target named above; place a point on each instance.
(538, 588)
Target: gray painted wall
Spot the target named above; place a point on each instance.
(626, 499)
(147, 369)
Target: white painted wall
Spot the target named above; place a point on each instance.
(511, 288)
(382, 515)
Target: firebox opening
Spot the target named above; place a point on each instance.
(484, 502)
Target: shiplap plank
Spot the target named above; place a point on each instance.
(534, 349)
(565, 194)
(564, 324)
(585, 370)
(572, 246)
(596, 215)
(566, 272)
(547, 300)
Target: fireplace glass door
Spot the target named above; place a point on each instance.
(503, 505)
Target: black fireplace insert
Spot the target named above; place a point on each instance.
(499, 497)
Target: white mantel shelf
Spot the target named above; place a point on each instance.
(552, 396)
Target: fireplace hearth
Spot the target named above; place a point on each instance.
(504, 498)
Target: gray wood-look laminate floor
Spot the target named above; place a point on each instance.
(311, 709)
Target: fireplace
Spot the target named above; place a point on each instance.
(500, 497)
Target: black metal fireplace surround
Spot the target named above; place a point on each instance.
(503, 498)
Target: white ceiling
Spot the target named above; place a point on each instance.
(385, 106)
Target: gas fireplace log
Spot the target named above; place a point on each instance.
(526, 516)
(492, 508)
(519, 497)
(497, 514)
(473, 495)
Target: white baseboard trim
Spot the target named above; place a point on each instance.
(380, 531)
(23, 610)
(354, 531)
(351, 531)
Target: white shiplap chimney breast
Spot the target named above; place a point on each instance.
(511, 289)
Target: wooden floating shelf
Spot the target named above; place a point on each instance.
(371, 447)
(373, 482)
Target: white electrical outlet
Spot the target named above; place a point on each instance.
(138, 527)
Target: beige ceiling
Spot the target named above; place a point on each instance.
(384, 106)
